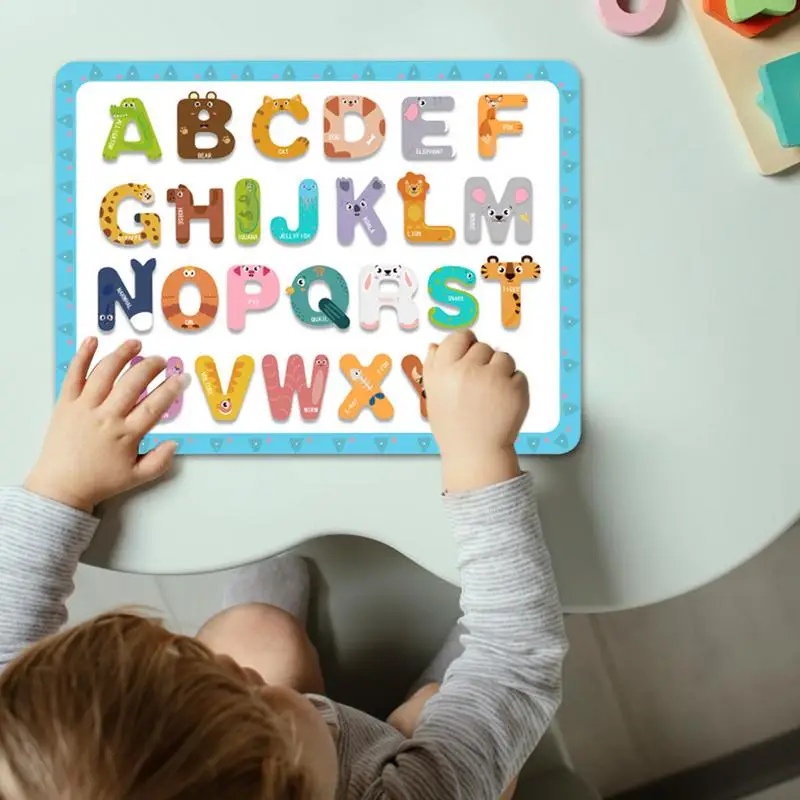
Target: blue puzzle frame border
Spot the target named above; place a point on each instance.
(563, 438)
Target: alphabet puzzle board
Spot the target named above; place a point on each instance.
(294, 235)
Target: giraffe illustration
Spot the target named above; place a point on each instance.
(151, 223)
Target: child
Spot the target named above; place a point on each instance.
(120, 708)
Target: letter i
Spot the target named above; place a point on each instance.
(248, 211)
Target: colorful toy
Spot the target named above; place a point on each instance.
(264, 116)
(131, 111)
(412, 367)
(780, 98)
(307, 217)
(174, 367)
(465, 304)
(514, 209)
(366, 391)
(240, 300)
(490, 127)
(198, 115)
(280, 396)
(755, 26)
(109, 206)
(248, 211)
(333, 226)
(416, 128)
(171, 299)
(631, 23)
(413, 190)
(374, 295)
(112, 292)
(336, 144)
(741, 10)
(225, 405)
(186, 211)
(333, 310)
(740, 65)
(511, 275)
(352, 211)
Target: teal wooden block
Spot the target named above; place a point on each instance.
(780, 97)
(742, 10)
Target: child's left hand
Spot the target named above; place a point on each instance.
(90, 452)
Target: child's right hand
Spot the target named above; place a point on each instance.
(90, 452)
(477, 402)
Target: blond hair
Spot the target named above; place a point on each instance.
(119, 707)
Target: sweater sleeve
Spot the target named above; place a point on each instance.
(40, 544)
(499, 697)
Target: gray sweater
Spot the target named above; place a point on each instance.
(496, 700)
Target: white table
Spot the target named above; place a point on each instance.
(691, 449)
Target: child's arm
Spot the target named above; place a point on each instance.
(40, 543)
(499, 697)
(89, 454)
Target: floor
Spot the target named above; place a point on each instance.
(648, 693)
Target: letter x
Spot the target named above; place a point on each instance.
(366, 389)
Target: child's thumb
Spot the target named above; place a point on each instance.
(155, 463)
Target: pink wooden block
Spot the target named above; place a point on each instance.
(631, 23)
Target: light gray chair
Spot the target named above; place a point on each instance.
(557, 784)
(378, 619)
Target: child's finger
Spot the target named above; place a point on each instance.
(147, 413)
(456, 345)
(480, 353)
(130, 386)
(154, 464)
(102, 377)
(428, 363)
(503, 363)
(520, 381)
(76, 374)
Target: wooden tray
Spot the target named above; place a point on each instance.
(738, 59)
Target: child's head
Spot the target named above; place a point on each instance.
(120, 708)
